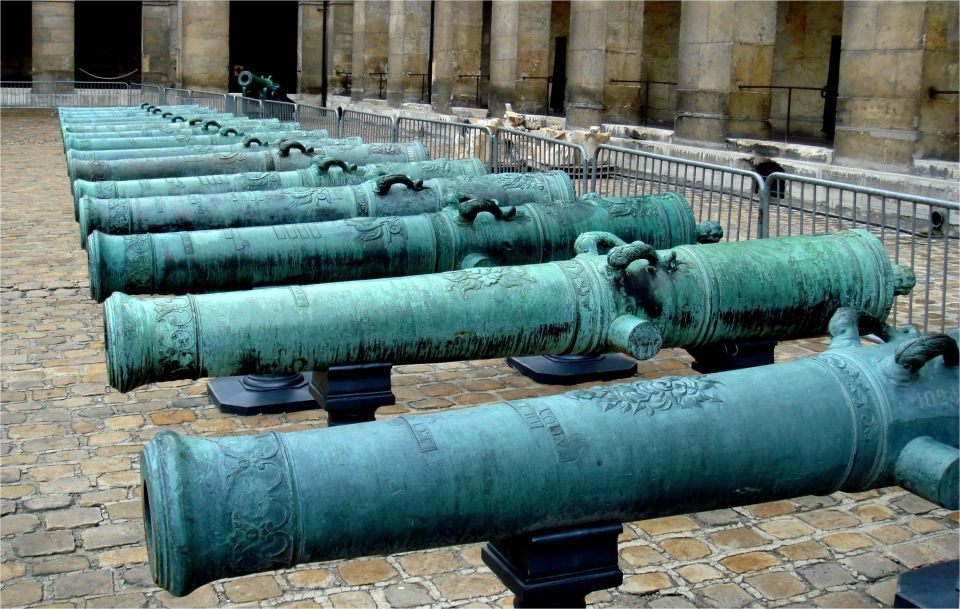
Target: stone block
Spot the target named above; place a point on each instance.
(868, 74)
(62, 564)
(750, 561)
(69, 519)
(368, 571)
(826, 574)
(829, 520)
(914, 554)
(205, 596)
(112, 535)
(847, 542)
(805, 550)
(740, 537)
(16, 524)
(668, 524)
(786, 528)
(316, 579)
(725, 595)
(871, 565)
(257, 588)
(454, 587)
(755, 22)
(85, 583)
(776, 586)
(428, 563)
(641, 556)
(21, 594)
(408, 595)
(645, 583)
(352, 600)
(716, 518)
(860, 23)
(686, 548)
(900, 25)
(697, 573)
(44, 543)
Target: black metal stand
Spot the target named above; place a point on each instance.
(573, 369)
(732, 355)
(262, 393)
(934, 586)
(559, 567)
(352, 394)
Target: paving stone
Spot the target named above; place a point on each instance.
(740, 537)
(889, 534)
(139, 577)
(884, 591)
(455, 587)
(805, 550)
(125, 510)
(826, 574)
(369, 571)
(873, 513)
(16, 491)
(925, 525)
(786, 528)
(110, 535)
(871, 565)
(772, 508)
(750, 561)
(685, 548)
(669, 524)
(846, 598)
(204, 596)
(61, 564)
(815, 502)
(428, 563)
(725, 595)
(645, 583)
(946, 544)
(122, 556)
(716, 518)
(69, 519)
(300, 604)
(20, 594)
(914, 554)
(671, 602)
(697, 573)
(44, 543)
(914, 505)
(408, 595)
(776, 586)
(847, 542)
(641, 556)
(15, 524)
(118, 601)
(11, 570)
(829, 520)
(84, 583)
(352, 600)
(312, 578)
(258, 588)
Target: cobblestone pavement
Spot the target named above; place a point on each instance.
(72, 533)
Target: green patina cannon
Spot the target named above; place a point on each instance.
(248, 142)
(164, 117)
(226, 135)
(194, 125)
(87, 141)
(64, 113)
(853, 418)
(288, 156)
(264, 86)
(478, 233)
(323, 172)
(391, 195)
(635, 299)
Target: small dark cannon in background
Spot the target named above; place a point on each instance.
(390, 195)
(851, 419)
(262, 87)
(635, 299)
(477, 233)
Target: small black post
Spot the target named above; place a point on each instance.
(573, 369)
(732, 355)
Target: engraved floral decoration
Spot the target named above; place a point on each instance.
(370, 229)
(653, 396)
(176, 336)
(474, 279)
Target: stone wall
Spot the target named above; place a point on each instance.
(204, 45)
(158, 20)
(53, 40)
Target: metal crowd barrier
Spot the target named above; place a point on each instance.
(918, 231)
(248, 106)
(371, 127)
(727, 195)
(525, 152)
(280, 110)
(446, 139)
(214, 101)
(312, 117)
(70, 93)
(175, 97)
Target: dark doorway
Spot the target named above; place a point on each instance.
(558, 82)
(16, 51)
(107, 41)
(830, 90)
(263, 39)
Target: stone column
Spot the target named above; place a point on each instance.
(887, 60)
(457, 49)
(340, 49)
(370, 49)
(204, 45)
(519, 47)
(409, 51)
(53, 41)
(158, 19)
(605, 39)
(939, 115)
(724, 45)
(309, 46)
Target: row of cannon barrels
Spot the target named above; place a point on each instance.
(418, 261)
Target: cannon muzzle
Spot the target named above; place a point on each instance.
(635, 299)
(844, 420)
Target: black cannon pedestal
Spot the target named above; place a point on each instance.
(559, 567)
(573, 369)
(732, 355)
(262, 393)
(352, 394)
(934, 586)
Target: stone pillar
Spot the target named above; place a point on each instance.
(724, 45)
(409, 51)
(519, 47)
(340, 49)
(53, 41)
(204, 45)
(371, 28)
(457, 49)
(158, 19)
(309, 46)
(660, 47)
(887, 60)
(939, 116)
(605, 39)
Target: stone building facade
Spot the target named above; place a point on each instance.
(708, 70)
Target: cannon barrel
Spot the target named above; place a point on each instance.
(143, 108)
(237, 144)
(265, 84)
(391, 195)
(80, 124)
(288, 156)
(208, 124)
(85, 141)
(844, 420)
(226, 135)
(635, 300)
(325, 172)
(479, 233)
